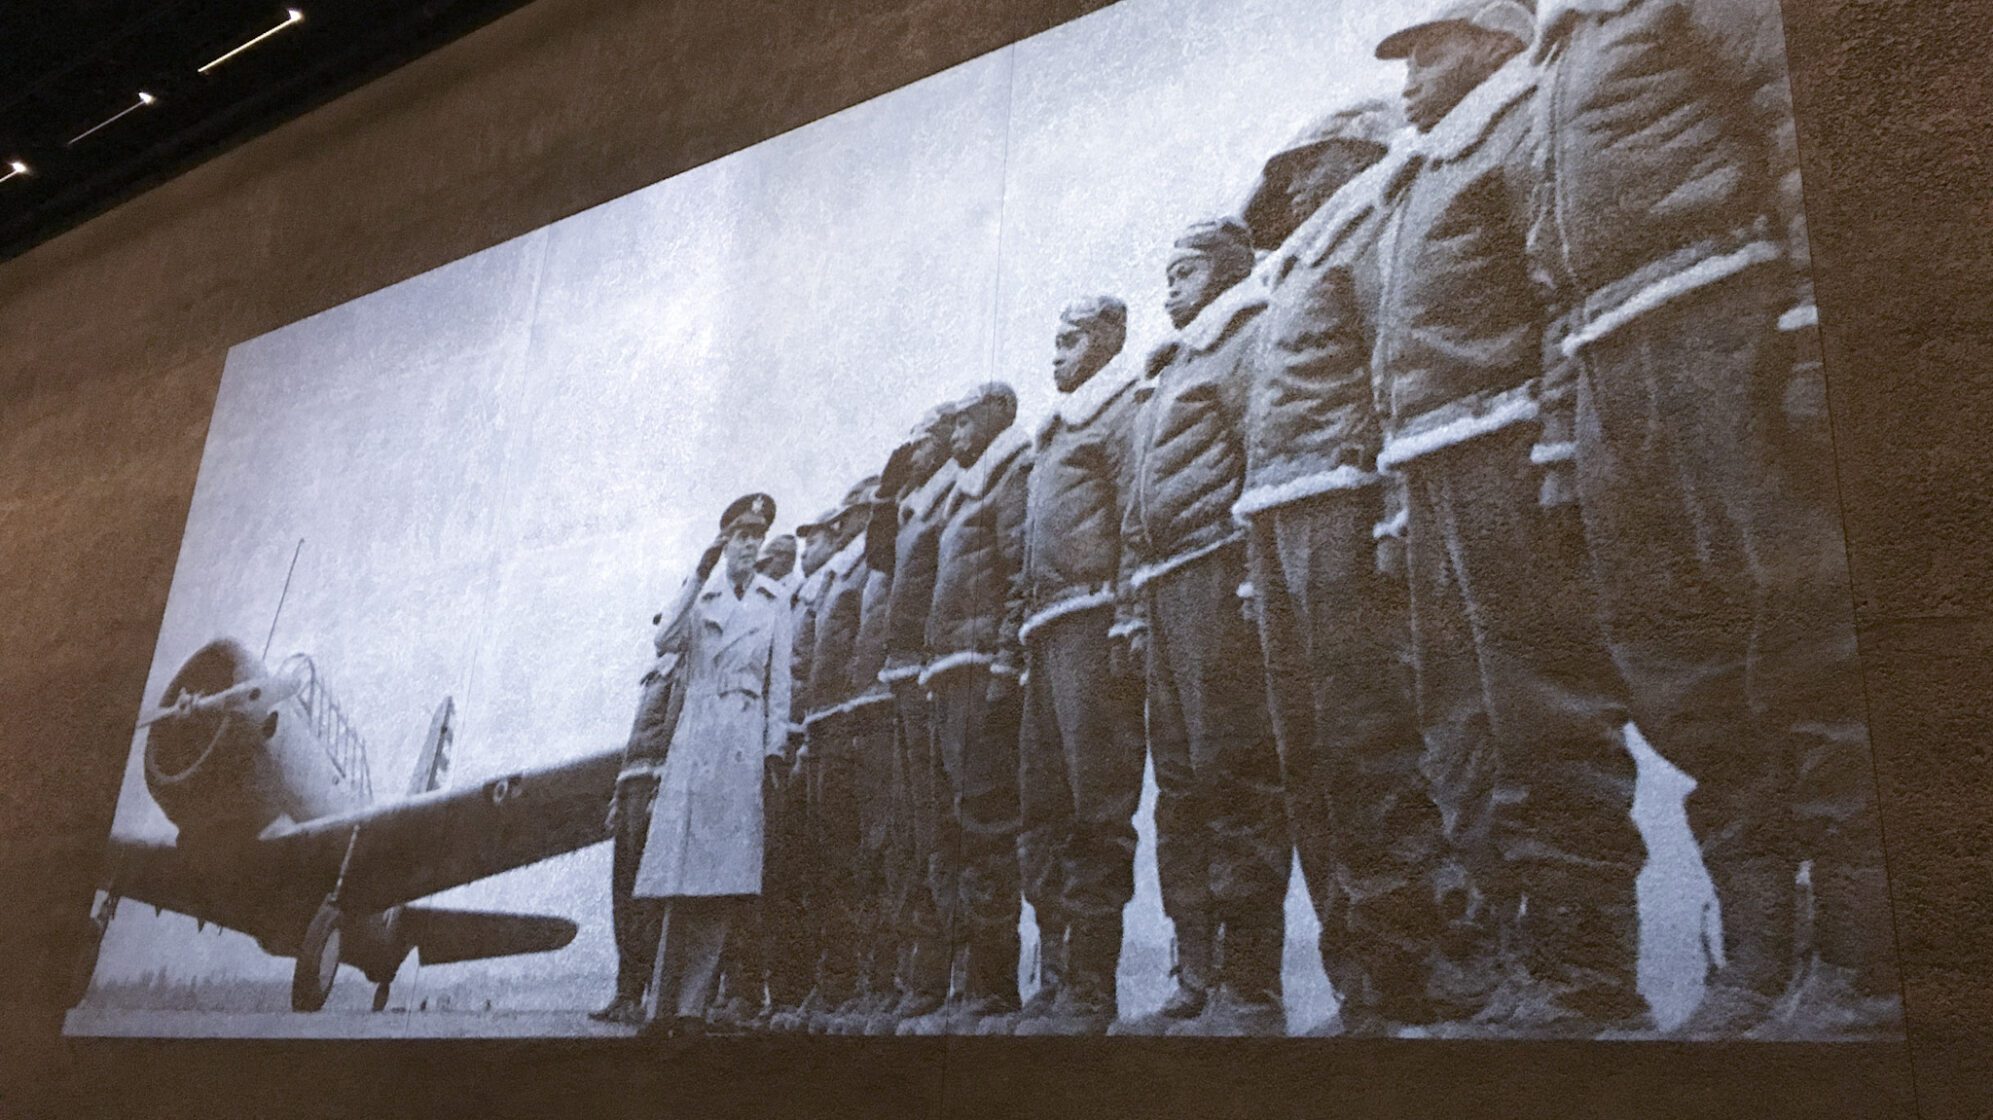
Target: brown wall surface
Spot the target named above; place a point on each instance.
(111, 345)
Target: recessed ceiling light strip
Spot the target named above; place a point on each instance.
(144, 99)
(292, 17)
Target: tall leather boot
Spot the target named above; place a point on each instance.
(1086, 1003)
(992, 1004)
(1581, 960)
(1249, 1001)
(1850, 988)
(1756, 897)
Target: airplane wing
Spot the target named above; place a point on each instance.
(389, 854)
(233, 888)
(409, 849)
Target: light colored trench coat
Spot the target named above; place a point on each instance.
(733, 671)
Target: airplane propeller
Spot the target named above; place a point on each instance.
(262, 690)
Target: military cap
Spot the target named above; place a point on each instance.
(990, 394)
(860, 495)
(755, 509)
(932, 425)
(1370, 121)
(935, 420)
(1226, 241)
(821, 523)
(1095, 311)
(1499, 17)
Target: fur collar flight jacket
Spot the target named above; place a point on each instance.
(978, 585)
(1080, 480)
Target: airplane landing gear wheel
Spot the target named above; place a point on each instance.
(318, 960)
(381, 996)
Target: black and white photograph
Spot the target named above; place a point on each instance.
(1223, 518)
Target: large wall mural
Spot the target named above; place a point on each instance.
(1227, 517)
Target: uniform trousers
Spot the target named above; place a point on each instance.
(974, 874)
(850, 816)
(636, 919)
(1359, 805)
(1551, 782)
(1726, 602)
(916, 785)
(1222, 847)
(695, 933)
(1080, 783)
(789, 872)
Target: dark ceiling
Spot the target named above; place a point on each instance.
(69, 66)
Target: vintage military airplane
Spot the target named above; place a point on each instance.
(280, 836)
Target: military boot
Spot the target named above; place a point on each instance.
(926, 984)
(1581, 963)
(992, 1004)
(1193, 974)
(1850, 988)
(1248, 1002)
(1086, 1003)
(797, 1019)
(1757, 898)
(1829, 1005)
(623, 1011)
(938, 1008)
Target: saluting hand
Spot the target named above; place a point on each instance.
(710, 559)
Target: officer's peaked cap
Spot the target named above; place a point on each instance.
(1500, 17)
(755, 510)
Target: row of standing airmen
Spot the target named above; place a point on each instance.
(1491, 431)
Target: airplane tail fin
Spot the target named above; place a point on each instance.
(432, 766)
(448, 936)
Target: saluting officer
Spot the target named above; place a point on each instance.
(1222, 847)
(1081, 774)
(744, 969)
(637, 919)
(703, 854)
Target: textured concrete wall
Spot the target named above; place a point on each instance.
(1891, 98)
(111, 341)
